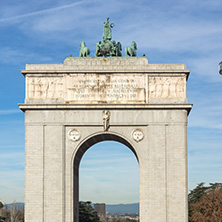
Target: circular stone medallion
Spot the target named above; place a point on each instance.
(137, 135)
(74, 135)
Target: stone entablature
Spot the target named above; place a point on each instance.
(120, 64)
(92, 80)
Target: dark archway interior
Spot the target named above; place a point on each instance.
(82, 149)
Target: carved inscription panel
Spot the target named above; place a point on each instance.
(44, 88)
(104, 88)
(167, 87)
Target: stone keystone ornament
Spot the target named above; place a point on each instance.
(74, 135)
(106, 117)
(137, 135)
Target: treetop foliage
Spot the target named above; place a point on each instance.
(87, 212)
(205, 203)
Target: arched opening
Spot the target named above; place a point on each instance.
(93, 141)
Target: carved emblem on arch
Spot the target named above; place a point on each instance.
(137, 135)
(74, 135)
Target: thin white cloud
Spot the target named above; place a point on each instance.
(12, 56)
(12, 186)
(41, 12)
(10, 161)
(13, 155)
(12, 176)
(124, 186)
(9, 111)
(192, 36)
(206, 115)
(16, 146)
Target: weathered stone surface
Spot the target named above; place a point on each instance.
(105, 88)
(139, 82)
(167, 87)
(132, 64)
(71, 106)
(44, 88)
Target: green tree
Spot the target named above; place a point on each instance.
(87, 212)
(205, 203)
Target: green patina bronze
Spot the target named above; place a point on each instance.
(107, 34)
(106, 47)
(131, 51)
(84, 51)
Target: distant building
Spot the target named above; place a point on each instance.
(100, 208)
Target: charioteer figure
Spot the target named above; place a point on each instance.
(106, 47)
(107, 34)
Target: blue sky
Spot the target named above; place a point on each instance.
(172, 31)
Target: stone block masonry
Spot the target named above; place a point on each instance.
(71, 106)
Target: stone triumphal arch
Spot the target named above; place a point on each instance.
(71, 106)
